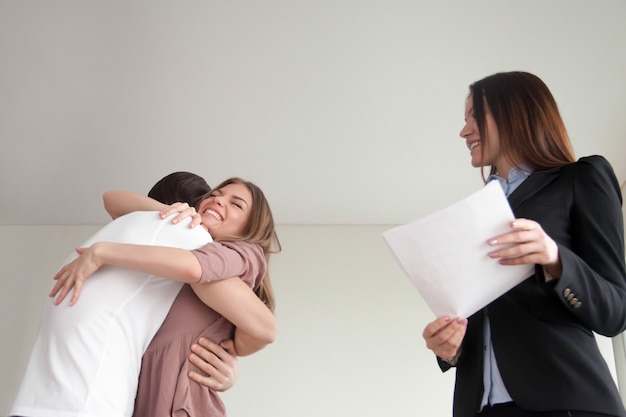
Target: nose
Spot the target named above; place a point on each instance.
(465, 131)
(217, 199)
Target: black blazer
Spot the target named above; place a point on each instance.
(542, 332)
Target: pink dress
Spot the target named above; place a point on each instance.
(165, 389)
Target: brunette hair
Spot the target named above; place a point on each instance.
(180, 186)
(260, 230)
(529, 124)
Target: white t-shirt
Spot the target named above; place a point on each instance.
(86, 358)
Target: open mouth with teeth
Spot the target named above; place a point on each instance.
(473, 145)
(214, 214)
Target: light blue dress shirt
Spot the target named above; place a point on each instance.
(495, 392)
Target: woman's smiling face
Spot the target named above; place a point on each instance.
(225, 212)
(483, 151)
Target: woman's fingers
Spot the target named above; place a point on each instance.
(78, 286)
(184, 211)
(72, 276)
(445, 335)
(521, 230)
(62, 287)
(526, 243)
(173, 208)
(188, 212)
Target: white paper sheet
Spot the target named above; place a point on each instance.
(445, 254)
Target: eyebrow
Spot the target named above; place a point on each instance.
(236, 197)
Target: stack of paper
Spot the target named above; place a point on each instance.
(445, 254)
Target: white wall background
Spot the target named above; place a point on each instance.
(347, 114)
(325, 104)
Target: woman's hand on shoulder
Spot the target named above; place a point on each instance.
(527, 243)
(184, 211)
(218, 364)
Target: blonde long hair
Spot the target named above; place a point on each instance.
(260, 229)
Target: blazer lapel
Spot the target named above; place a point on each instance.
(532, 185)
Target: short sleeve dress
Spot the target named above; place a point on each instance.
(165, 389)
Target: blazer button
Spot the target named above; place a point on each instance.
(570, 297)
(566, 292)
(578, 304)
(573, 301)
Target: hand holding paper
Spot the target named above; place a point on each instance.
(445, 254)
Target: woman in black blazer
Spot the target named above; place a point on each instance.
(532, 352)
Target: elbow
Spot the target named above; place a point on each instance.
(106, 200)
(271, 333)
(612, 331)
(193, 274)
(266, 332)
(247, 343)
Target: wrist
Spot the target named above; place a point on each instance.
(453, 360)
(551, 272)
(99, 253)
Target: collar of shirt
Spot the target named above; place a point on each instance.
(517, 175)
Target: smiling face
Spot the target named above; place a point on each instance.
(484, 151)
(225, 212)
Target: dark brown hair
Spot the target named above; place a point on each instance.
(180, 186)
(529, 124)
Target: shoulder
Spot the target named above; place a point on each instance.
(591, 163)
(131, 227)
(148, 228)
(594, 175)
(246, 249)
(221, 260)
(140, 220)
(588, 167)
(255, 262)
(595, 166)
(250, 253)
(139, 216)
(594, 161)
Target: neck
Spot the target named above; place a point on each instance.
(503, 168)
